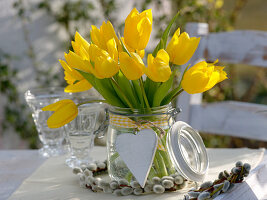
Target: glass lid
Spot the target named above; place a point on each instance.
(187, 151)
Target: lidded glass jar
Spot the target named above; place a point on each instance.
(180, 148)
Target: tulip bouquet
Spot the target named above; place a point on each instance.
(113, 65)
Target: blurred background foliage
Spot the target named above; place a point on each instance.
(23, 125)
(245, 83)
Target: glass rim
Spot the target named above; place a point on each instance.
(38, 89)
(85, 105)
(143, 112)
(39, 93)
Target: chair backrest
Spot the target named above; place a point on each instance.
(232, 118)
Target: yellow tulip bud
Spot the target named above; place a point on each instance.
(104, 65)
(112, 49)
(181, 47)
(202, 77)
(158, 69)
(72, 72)
(76, 62)
(95, 52)
(138, 28)
(64, 112)
(68, 77)
(76, 81)
(80, 46)
(100, 37)
(141, 53)
(80, 51)
(79, 86)
(79, 59)
(132, 67)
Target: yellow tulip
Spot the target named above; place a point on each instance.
(181, 47)
(79, 86)
(138, 28)
(104, 65)
(76, 81)
(132, 67)
(64, 112)
(77, 62)
(202, 77)
(141, 53)
(158, 69)
(79, 59)
(80, 46)
(100, 37)
(112, 49)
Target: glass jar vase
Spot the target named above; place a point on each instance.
(125, 120)
(180, 149)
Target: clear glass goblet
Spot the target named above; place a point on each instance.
(80, 134)
(52, 139)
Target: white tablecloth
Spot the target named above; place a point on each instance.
(54, 180)
(15, 167)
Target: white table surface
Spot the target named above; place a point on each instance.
(17, 165)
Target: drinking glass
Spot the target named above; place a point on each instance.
(52, 139)
(80, 134)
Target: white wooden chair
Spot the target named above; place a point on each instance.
(246, 120)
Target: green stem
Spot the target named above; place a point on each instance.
(176, 94)
(162, 167)
(138, 92)
(157, 167)
(129, 176)
(144, 93)
(167, 161)
(92, 101)
(180, 84)
(114, 157)
(152, 173)
(122, 93)
(123, 46)
(171, 66)
(165, 155)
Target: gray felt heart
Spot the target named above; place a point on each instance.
(138, 151)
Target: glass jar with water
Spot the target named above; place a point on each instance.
(180, 149)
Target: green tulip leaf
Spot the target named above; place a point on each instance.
(138, 92)
(163, 41)
(167, 30)
(127, 88)
(168, 98)
(89, 77)
(163, 90)
(104, 87)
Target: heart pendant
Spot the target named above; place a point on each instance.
(137, 152)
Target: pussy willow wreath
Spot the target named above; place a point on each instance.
(207, 190)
